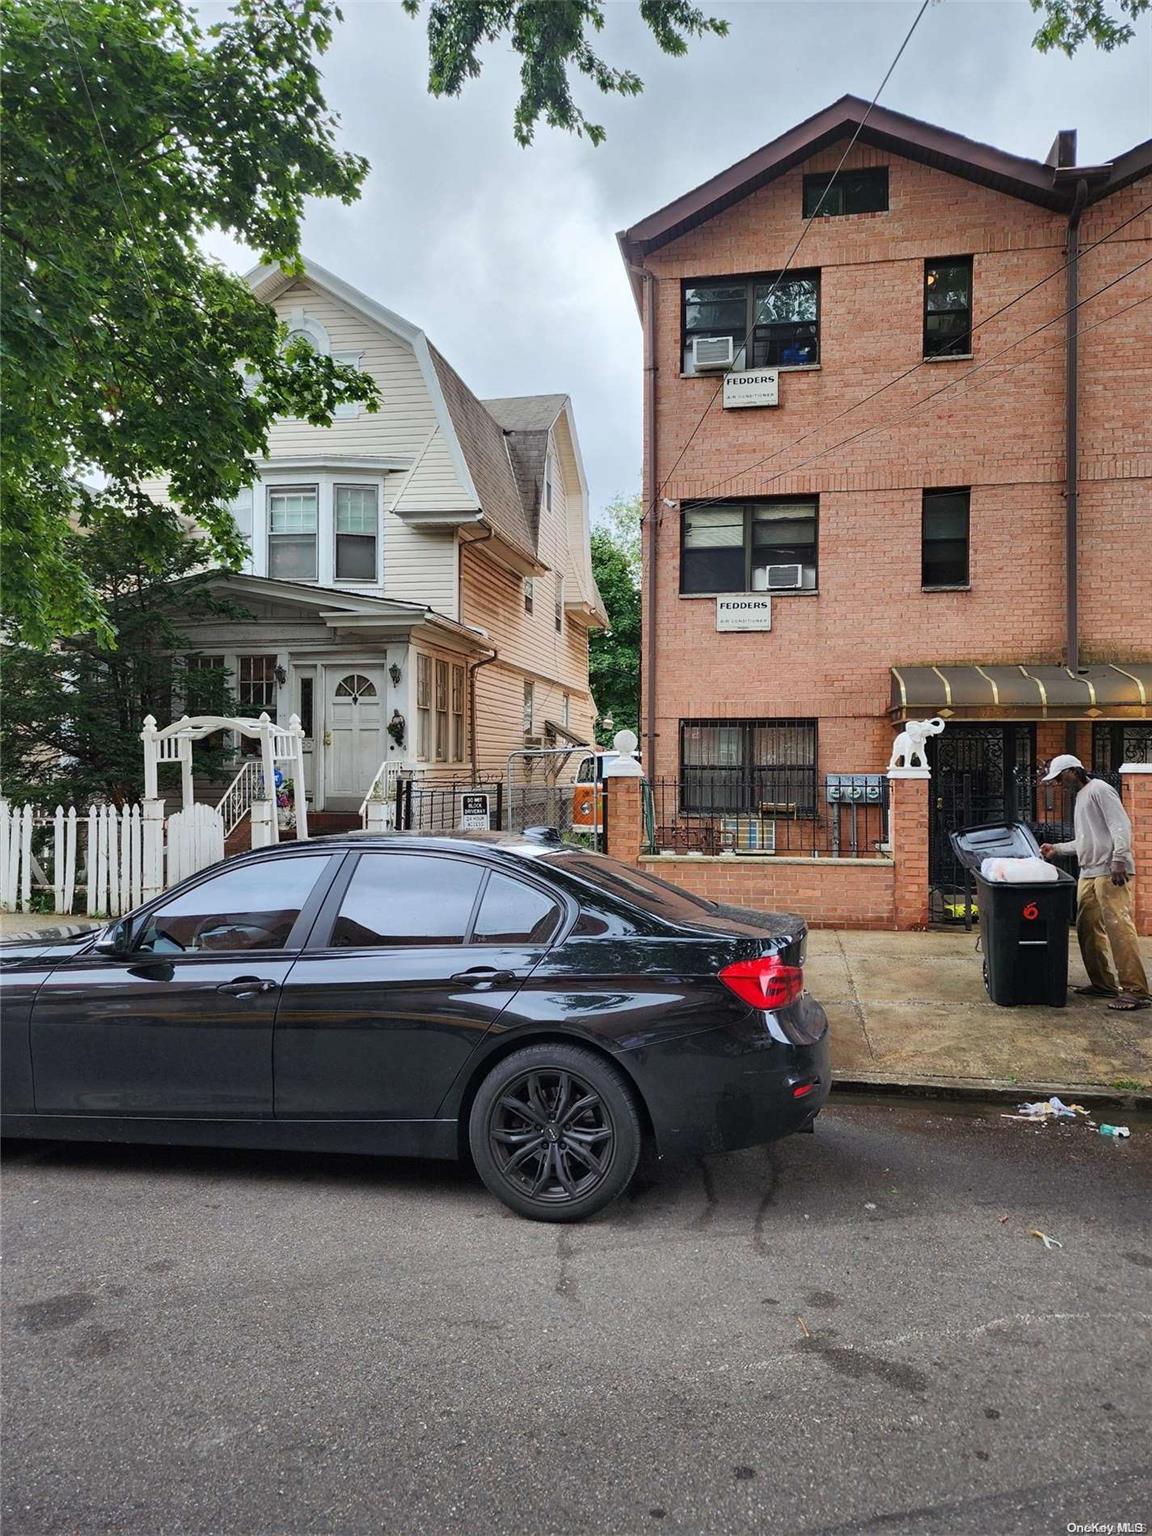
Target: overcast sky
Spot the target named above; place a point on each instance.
(506, 257)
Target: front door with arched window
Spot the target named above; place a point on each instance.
(354, 738)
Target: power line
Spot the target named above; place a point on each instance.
(710, 500)
(807, 226)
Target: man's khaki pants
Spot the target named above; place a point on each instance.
(1107, 935)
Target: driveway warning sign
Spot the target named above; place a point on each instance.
(475, 813)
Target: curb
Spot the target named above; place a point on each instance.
(994, 1089)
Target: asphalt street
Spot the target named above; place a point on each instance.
(851, 1332)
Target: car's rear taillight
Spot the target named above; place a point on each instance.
(764, 983)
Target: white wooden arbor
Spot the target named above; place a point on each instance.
(279, 744)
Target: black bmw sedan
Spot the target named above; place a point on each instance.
(542, 1008)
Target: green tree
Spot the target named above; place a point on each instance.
(1068, 23)
(614, 653)
(129, 130)
(551, 38)
(70, 731)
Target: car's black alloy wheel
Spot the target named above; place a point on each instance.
(554, 1132)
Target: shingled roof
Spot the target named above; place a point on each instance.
(486, 450)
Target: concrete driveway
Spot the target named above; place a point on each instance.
(911, 1008)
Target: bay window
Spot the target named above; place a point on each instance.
(292, 524)
(357, 531)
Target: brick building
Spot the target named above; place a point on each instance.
(905, 478)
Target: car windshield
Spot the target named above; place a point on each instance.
(635, 886)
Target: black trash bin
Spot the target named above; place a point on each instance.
(1023, 928)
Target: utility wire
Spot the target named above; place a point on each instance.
(780, 275)
(884, 426)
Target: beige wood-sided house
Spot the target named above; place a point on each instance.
(425, 567)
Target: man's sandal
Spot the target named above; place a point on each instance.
(1128, 1002)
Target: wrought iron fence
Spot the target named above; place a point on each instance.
(575, 811)
(785, 811)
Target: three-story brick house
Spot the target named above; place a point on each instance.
(898, 460)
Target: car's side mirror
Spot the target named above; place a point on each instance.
(116, 939)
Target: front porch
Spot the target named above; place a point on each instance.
(373, 682)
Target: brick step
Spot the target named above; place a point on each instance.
(320, 823)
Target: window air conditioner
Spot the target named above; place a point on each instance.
(783, 578)
(711, 352)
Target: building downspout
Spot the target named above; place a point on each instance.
(652, 517)
(1071, 443)
(1071, 425)
(473, 668)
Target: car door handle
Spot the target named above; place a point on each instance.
(247, 986)
(483, 975)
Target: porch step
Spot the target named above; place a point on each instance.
(320, 823)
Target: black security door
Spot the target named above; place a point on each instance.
(980, 773)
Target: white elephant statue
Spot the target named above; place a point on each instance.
(911, 742)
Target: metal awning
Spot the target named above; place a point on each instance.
(1024, 692)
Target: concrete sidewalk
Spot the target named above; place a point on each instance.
(910, 1009)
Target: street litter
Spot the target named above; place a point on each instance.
(804, 1329)
(1049, 1242)
(868, 1205)
(1043, 1108)
(1117, 1131)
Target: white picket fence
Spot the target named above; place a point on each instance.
(112, 859)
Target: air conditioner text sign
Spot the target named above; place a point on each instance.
(744, 610)
(751, 386)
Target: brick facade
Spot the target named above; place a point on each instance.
(996, 426)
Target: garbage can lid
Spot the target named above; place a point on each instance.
(994, 840)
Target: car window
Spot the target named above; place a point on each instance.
(254, 907)
(514, 913)
(407, 898)
(636, 886)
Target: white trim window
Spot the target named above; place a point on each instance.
(457, 714)
(441, 711)
(529, 705)
(293, 518)
(347, 408)
(356, 515)
(423, 706)
(559, 604)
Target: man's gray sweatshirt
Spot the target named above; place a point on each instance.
(1103, 831)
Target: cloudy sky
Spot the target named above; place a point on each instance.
(506, 257)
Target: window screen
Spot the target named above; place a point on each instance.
(292, 533)
(356, 532)
(944, 548)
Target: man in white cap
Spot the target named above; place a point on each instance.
(1103, 847)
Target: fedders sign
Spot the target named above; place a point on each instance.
(744, 610)
(751, 386)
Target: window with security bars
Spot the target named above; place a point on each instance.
(773, 319)
(944, 539)
(948, 307)
(1117, 742)
(749, 546)
(292, 521)
(835, 193)
(758, 767)
(357, 530)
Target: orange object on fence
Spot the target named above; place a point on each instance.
(587, 805)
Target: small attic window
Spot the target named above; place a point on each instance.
(303, 327)
(832, 195)
(548, 483)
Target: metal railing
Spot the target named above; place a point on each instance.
(785, 813)
(236, 801)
